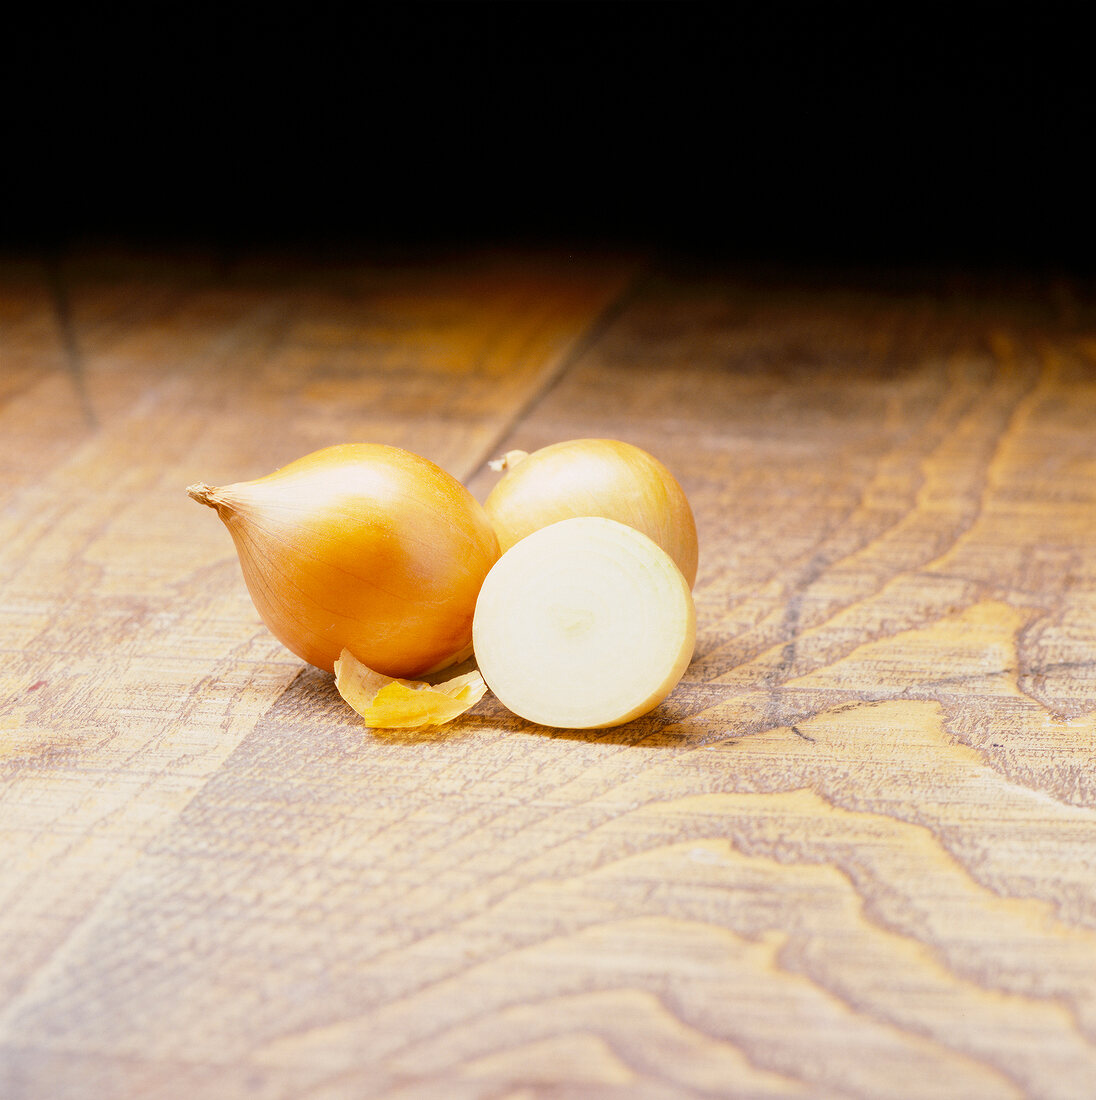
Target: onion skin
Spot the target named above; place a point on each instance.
(595, 477)
(362, 547)
(388, 704)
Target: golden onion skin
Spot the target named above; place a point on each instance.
(595, 477)
(365, 547)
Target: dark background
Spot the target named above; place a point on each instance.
(894, 134)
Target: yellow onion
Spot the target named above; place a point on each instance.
(594, 477)
(362, 547)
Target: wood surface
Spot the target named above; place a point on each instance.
(852, 855)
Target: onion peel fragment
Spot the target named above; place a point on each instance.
(388, 703)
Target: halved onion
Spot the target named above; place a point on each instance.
(583, 624)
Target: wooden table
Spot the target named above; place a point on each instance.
(853, 855)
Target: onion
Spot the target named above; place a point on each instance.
(584, 624)
(594, 477)
(361, 547)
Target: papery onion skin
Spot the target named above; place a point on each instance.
(365, 547)
(390, 704)
(595, 477)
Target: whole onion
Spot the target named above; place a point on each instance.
(362, 547)
(594, 477)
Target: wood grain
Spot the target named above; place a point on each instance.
(851, 856)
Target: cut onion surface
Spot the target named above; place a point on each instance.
(584, 624)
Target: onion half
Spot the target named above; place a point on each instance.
(584, 624)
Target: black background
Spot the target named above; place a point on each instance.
(895, 134)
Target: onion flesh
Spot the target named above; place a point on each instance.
(584, 624)
(362, 547)
(594, 477)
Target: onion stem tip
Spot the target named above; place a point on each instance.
(202, 493)
(508, 461)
